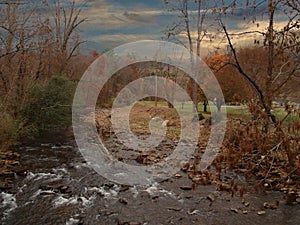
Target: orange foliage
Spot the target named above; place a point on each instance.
(235, 88)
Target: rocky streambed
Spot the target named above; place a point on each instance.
(55, 185)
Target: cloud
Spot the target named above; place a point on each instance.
(112, 15)
(112, 22)
(242, 33)
(121, 38)
(102, 42)
(135, 17)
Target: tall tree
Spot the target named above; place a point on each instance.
(67, 19)
(192, 15)
(281, 46)
(17, 41)
(31, 45)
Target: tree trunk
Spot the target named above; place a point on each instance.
(205, 105)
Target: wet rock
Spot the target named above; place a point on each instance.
(108, 213)
(124, 188)
(5, 186)
(155, 197)
(123, 201)
(262, 212)
(186, 188)
(135, 223)
(109, 185)
(174, 209)
(45, 144)
(145, 194)
(64, 189)
(46, 187)
(211, 198)
(80, 199)
(130, 223)
(188, 196)
(177, 175)
(193, 211)
(235, 210)
(47, 193)
(268, 205)
(22, 173)
(120, 158)
(246, 203)
(81, 221)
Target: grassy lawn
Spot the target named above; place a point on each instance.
(188, 107)
(281, 114)
(240, 111)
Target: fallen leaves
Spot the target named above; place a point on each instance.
(271, 158)
(268, 205)
(123, 201)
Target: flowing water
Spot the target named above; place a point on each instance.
(60, 188)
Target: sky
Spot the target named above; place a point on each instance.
(111, 23)
(115, 22)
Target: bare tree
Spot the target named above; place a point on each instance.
(17, 35)
(67, 19)
(33, 46)
(282, 49)
(192, 15)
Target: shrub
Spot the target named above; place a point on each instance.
(50, 106)
(8, 129)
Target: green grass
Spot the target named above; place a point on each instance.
(231, 111)
(281, 114)
(188, 107)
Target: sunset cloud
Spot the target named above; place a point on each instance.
(114, 22)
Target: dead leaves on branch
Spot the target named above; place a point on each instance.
(268, 158)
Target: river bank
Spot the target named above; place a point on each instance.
(60, 188)
(53, 184)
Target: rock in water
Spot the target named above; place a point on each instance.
(186, 188)
(123, 201)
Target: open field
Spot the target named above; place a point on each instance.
(241, 110)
